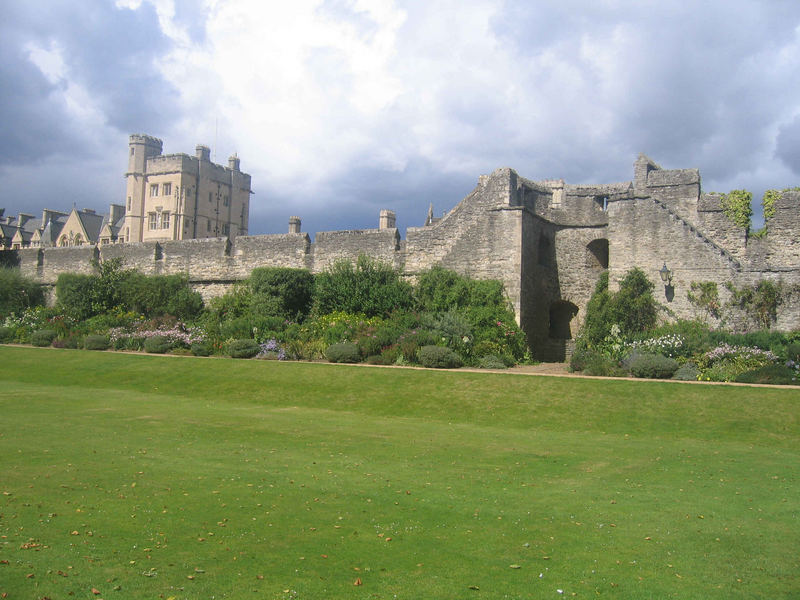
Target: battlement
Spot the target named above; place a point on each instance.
(547, 241)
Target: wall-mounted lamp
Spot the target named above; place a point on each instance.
(666, 275)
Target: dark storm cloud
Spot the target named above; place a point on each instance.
(696, 83)
(789, 145)
(107, 51)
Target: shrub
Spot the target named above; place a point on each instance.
(774, 374)
(652, 366)
(600, 365)
(793, 352)
(154, 295)
(580, 358)
(344, 352)
(7, 335)
(438, 357)
(202, 349)
(492, 361)
(369, 287)
(271, 350)
(74, 293)
(157, 344)
(375, 359)
(18, 292)
(96, 342)
(391, 355)
(632, 308)
(71, 341)
(687, 372)
(43, 337)
(243, 348)
(369, 345)
(282, 291)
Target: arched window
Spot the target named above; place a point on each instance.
(78, 239)
(63, 241)
(561, 314)
(597, 255)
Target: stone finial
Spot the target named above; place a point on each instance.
(294, 224)
(203, 152)
(387, 219)
(233, 162)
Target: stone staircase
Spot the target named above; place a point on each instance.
(735, 264)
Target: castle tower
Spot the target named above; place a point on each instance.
(387, 219)
(141, 148)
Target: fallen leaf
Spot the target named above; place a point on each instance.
(357, 581)
(514, 566)
(473, 587)
(95, 591)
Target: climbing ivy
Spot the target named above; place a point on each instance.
(760, 302)
(705, 296)
(768, 203)
(736, 206)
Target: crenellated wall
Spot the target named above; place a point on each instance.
(547, 241)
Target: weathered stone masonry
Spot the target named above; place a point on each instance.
(547, 241)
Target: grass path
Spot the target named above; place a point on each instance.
(249, 479)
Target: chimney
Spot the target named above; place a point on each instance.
(233, 162)
(294, 224)
(203, 152)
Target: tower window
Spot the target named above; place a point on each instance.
(166, 189)
(153, 189)
(152, 221)
(165, 220)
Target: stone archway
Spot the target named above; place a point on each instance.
(561, 314)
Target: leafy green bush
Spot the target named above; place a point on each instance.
(282, 291)
(773, 374)
(601, 365)
(154, 295)
(71, 341)
(43, 337)
(344, 352)
(202, 349)
(6, 335)
(580, 358)
(74, 293)
(375, 359)
(632, 308)
(439, 357)
(157, 344)
(369, 287)
(243, 348)
(96, 342)
(18, 292)
(687, 372)
(652, 366)
(793, 351)
(492, 361)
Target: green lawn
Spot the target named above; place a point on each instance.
(171, 477)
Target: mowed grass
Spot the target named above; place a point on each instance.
(163, 477)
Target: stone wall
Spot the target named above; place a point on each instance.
(547, 241)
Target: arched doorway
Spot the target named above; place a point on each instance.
(561, 314)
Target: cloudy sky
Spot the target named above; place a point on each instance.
(339, 108)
